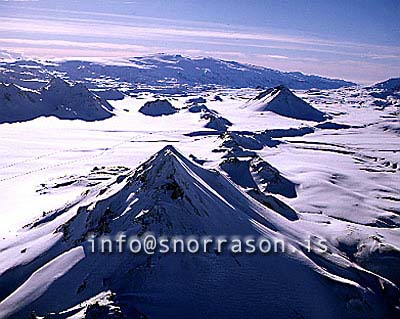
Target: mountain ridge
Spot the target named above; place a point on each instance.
(172, 72)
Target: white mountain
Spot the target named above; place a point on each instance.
(49, 267)
(168, 73)
(67, 101)
(282, 101)
(58, 98)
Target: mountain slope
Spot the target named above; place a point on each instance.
(391, 84)
(17, 104)
(169, 195)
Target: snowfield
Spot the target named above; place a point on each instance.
(283, 163)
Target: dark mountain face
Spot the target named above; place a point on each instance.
(387, 88)
(391, 84)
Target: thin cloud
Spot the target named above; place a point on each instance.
(89, 28)
(201, 29)
(75, 44)
(279, 57)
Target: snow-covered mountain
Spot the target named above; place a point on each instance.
(282, 101)
(17, 104)
(162, 72)
(57, 98)
(55, 271)
(391, 84)
(387, 88)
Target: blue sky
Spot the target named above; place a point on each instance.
(355, 40)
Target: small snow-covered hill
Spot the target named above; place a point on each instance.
(282, 101)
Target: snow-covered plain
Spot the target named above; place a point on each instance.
(338, 180)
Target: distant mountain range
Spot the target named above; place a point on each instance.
(167, 73)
